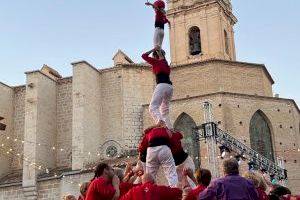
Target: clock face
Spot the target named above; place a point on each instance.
(111, 151)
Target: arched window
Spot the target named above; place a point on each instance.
(226, 42)
(260, 135)
(194, 40)
(185, 124)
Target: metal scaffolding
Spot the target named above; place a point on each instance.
(210, 138)
(212, 134)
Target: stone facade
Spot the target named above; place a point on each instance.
(64, 122)
(57, 127)
(12, 192)
(19, 124)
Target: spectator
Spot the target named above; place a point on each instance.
(231, 186)
(83, 190)
(203, 177)
(104, 185)
(149, 190)
(259, 184)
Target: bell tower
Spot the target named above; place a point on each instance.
(201, 30)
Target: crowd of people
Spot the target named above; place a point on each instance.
(133, 184)
(161, 147)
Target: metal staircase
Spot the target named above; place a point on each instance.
(210, 130)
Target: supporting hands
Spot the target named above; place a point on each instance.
(188, 172)
(116, 185)
(186, 188)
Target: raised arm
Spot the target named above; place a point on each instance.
(147, 58)
(151, 4)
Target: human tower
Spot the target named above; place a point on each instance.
(161, 144)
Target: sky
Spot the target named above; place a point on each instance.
(58, 32)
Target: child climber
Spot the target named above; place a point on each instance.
(162, 95)
(160, 21)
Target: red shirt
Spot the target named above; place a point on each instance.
(158, 66)
(195, 192)
(262, 194)
(151, 191)
(160, 16)
(150, 136)
(81, 197)
(100, 188)
(175, 142)
(125, 187)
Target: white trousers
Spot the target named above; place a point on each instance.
(161, 156)
(188, 163)
(160, 103)
(158, 37)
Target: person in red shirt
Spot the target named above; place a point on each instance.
(160, 102)
(104, 185)
(155, 148)
(160, 21)
(203, 178)
(150, 191)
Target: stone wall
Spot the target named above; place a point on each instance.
(46, 121)
(111, 106)
(6, 111)
(64, 122)
(138, 84)
(87, 114)
(12, 193)
(52, 188)
(49, 190)
(220, 76)
(40, 128)
(19, 125)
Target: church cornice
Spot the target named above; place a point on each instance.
(5, 85)
(236, 63)
(236, 95)
(200, 4)
(126, 66)
(40, 72)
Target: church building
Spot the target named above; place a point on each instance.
(54, 129)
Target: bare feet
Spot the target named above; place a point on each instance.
(161, 123)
